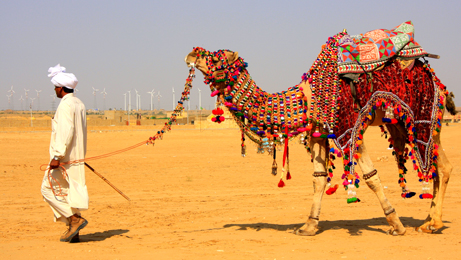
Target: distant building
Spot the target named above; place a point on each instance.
(117, 115)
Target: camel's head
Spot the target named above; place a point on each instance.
(219, 68)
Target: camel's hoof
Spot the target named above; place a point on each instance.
(302, 232)
(395, 233)
(429, 229)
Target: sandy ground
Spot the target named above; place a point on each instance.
(194, 197)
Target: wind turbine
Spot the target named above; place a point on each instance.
(95, 90)
(11, 96)
(152, 93)
(32, 103)
(104, 93)
(27, 91)
(124, 100)
(137, 104)
(22, 107)
(129, 106)
(158, 97)
(38, 99)
(53, 103)
(174, 99)
(9, 100)
(139, 98)
(199, 99)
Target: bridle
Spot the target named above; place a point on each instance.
(222, 71)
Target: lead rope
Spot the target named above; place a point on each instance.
(151, 140)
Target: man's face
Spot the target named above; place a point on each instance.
(58, 91)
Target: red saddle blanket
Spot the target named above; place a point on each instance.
(413, 90)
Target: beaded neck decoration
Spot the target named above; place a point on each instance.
(269, 120)
(325, 87)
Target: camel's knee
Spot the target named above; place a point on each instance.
(445, 173)
(372, 180)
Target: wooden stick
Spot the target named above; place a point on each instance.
(108, 182)
(434, 56)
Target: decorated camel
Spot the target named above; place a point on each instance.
(380, 78)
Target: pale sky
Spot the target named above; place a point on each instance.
(128, 45)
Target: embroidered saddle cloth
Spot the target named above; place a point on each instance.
(368, 51)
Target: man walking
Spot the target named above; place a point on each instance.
(63, 186)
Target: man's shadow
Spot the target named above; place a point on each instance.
(354, 227)
(101, 236)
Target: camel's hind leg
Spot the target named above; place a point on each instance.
(319, 153)
(370, 175)
(444, 168)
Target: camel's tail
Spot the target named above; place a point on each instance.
(450, 105)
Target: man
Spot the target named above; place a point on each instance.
(63, 186)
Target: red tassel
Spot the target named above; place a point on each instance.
(281, 184)
(288, 176)
(393, 121)
(427, 196)
(332, 190)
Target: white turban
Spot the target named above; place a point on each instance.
(61, 79)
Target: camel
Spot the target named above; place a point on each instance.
(272, 119)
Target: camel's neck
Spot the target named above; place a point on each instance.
(265, 113)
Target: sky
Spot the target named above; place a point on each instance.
(123, 46)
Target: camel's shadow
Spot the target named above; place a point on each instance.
(100, 236)
(354, 227)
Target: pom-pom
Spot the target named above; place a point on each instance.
(281, 184)
(332, 190)
(214, 93)
(352, 200)
(425, 196)
(288, 176)
(316, 134)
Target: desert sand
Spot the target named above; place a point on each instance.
(193, 196)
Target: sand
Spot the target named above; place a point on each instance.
(193, 196)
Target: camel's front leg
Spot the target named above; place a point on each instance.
(374, 183)
(319, 153)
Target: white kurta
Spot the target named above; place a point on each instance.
(68, 142)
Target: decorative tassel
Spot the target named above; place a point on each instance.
(425, 188)
(281, 183)
(407, 195)
(332, 190)
(243, 150)
(274, 164)
(353, 200)
(324, 135)
(288, 165)
(316, 134)
(351, 194)
(331, 135)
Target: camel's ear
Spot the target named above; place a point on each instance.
(233, 56)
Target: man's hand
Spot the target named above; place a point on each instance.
(54, 164)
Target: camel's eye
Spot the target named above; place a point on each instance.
(215, 60)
